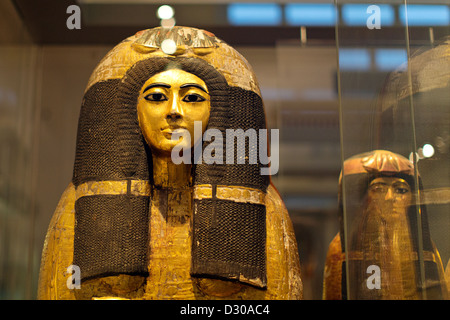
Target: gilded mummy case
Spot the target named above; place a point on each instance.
(105, 210)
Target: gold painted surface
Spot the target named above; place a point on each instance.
(332, 276)
(333, 267)
(181, 37)
(169, 247)
(137, 188)
(235, 68)
(172, 193)
(170, 257)
(384, 239)
(57, 254)
(384, 233)
(232, 193)
(378, 160)
(120, 287)
(170, 103)
(203, 192)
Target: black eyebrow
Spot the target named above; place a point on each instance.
(165, 85)
(186, 85)
(400, 183)
(378, 182)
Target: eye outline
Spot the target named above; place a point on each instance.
(401, 190)
(146, 97)
(379, 187)
(192, 94)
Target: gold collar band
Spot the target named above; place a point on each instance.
(122, 187)
(142, 188)
(232, 193)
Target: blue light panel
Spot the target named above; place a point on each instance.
(254, 14)
(354, 59)
(390, 59)
(425, 15)
(356, 14)
(308, 14)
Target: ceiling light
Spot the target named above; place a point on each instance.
(165, 12)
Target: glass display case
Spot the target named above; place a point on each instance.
(393, 83)
(18, 146)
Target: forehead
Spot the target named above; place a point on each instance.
(389, 181)
(175, 78)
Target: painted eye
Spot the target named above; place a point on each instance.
(193, 98)
(155, 97)
(400, 190)
(378, 187)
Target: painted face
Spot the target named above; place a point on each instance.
(390, 195)
(170, 102)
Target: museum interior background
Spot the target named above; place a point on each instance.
(308, 92)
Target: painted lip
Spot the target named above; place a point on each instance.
(168, 132)
(173, 128)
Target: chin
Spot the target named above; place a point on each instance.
(165, 148)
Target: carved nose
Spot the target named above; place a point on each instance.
(173, 116)
(176, 111)
(389, 194)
